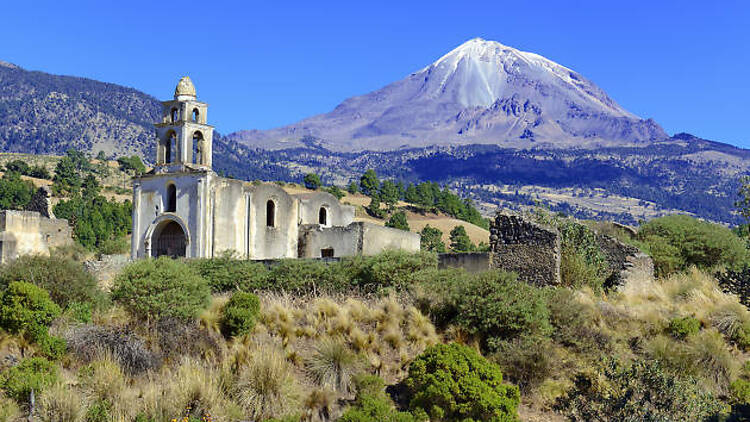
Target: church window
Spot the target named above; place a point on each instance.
(197, 145)
(270, 213)
(326, 253)
(170, 148)
(174, 115)
(323, 216)
(171, 198)
(196, 114)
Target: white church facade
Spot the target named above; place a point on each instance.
(182, 208)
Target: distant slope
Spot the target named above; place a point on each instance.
(482, 92)
(43, 113)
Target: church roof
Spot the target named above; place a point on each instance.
(185, 87)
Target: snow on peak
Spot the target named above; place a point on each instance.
(479, 72)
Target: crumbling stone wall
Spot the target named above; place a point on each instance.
(624, 261)
(530, 250)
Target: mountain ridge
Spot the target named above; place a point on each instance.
(481, 92)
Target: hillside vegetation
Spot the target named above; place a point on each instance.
(383, 338)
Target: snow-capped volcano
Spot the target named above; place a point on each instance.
(482, 92)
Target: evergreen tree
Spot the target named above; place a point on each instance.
(410, 195)
(374, 207)
(460, 241)
(312, 181)
(432, 239)
(335, 191)
(389, 194)
(369, 183)
(398, 221)
(66, 180)
(353, 187)
(15, 193)
(425, 196)
(18, 166)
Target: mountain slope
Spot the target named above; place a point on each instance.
(482, 92)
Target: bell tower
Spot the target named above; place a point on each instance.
(183, 137)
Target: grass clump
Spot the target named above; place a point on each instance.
(266, 387)
(240, 314)
(152, 289)
(332, 364)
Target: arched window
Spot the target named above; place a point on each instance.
(170, 148)
(197, 148)
(174, 115)
(171, 198)
(323, 216)
(196, 114)
(270, 213)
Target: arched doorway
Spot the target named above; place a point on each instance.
(169, 240)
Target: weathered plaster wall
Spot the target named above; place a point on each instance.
(229, 219)
(27, 232)
(311, 203)
(376, 239)
(528, 249)
(279, 241)
(345, 241)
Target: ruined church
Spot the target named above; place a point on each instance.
(182, 208)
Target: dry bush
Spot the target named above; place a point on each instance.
(177, 338)
(88, 342)
(210, 318)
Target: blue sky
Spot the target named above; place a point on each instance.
(265, 64)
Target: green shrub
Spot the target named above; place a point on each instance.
(98, 411)
(453, 382)
(390, 269)
(374, 408)
(27, 310)
(740, 390)
(79, 312)
(526, 361)
(113, 246)
(301, 276)
(573, 322)
(24, 306)
(240, 314)
(642, 391)
(679, 241)
(65, 279)
(30, 374)
(152, 289)
(227, 273)
(681, 328)
(577, 271)
(496, 306)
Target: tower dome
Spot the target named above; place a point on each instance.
(185, 88)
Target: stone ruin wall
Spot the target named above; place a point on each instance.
(530, 250)
(533, 251)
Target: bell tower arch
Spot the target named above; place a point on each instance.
(183, 136)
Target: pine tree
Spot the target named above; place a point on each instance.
(369, 183)
(432, 239)
(460, 241)
(398, 221)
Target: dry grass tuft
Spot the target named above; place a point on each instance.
(267, 386)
